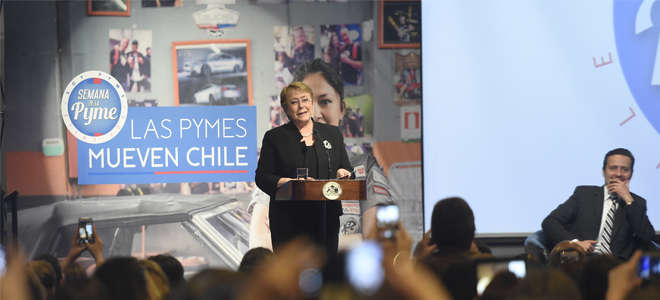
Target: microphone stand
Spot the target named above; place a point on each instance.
(325, 206)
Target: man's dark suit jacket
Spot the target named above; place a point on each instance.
(282, 153)
(141, 66)
(118, 71)
(580, 217)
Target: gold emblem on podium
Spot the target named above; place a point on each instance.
(332, 190)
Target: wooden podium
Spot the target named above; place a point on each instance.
(322, 190)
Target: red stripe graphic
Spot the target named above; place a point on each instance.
(381, 190)
(98, 134)
(97, 81)
(198, 172)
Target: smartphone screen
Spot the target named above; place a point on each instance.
(3, 261)
(487, 270)
(82, 234)
(364, 268)
(387, 217)
(89, 230)
(85, 230)
(648, 266)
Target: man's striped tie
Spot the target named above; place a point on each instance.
(604, 246)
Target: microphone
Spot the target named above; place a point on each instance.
(326, 153)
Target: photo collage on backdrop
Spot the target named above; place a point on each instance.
(406, 77)
(217, 72)
(341, 47)
(293, 46)
(211, 73)
(130, 59)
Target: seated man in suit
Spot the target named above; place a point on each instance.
(604, 220)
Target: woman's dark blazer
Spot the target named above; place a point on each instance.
(282, 153)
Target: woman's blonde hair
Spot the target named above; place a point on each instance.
(294, 86)
(157, 283)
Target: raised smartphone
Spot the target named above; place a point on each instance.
(387, 218)
(85, 230)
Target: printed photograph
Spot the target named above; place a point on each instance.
(340, 47)
(358, 117)
(212, 72)
(400, 24)
(162, 3)
(120, 8)
(130, 59)
(406, 77)
(363, 148)
(277, 115)
(293, 46)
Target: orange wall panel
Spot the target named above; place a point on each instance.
(31, 173)
(389, 153)
(99, 190)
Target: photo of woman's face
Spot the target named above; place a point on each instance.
(335, 41)
(327, 104)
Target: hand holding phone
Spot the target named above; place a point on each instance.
(424, 247)
(648, 266)
(85, 231)
(3, 261)
(86, 238)
(364, 267)
(387, 218)
(487, 270)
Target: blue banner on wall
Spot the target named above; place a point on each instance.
(175, 144)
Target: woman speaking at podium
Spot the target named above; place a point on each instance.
(302, 143)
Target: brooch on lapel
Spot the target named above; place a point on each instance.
(327, 145)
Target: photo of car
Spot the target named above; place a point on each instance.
(215, 63)
(202, 231)
(214, 94)
(212, 70)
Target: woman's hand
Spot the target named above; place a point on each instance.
(343, 174)
(75, 250)
(282, 181)
(424, 247)
(278, 278)
(623, 279)
(96, 249)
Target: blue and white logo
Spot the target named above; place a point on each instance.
(94, 107)
(637, 34)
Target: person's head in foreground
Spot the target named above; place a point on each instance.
(452, 225)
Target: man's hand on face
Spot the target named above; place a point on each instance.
(621, 188)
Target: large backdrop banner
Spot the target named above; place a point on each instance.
(157, 137)
(175, 144)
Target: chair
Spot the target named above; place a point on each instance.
(536, 245)
(565, 251)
